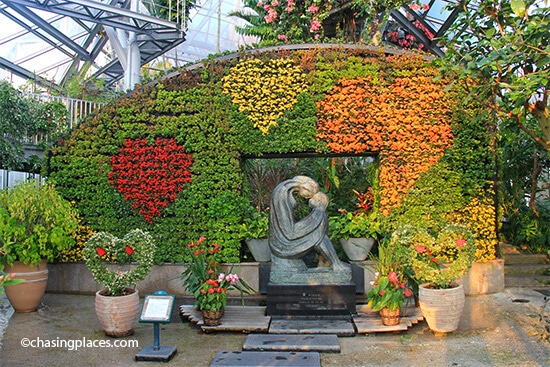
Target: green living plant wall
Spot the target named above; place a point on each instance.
(167, 157)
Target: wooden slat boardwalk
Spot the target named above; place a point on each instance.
(252, 319)
(248, 319)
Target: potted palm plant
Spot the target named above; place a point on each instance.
(117, 305)
(437, 265)
(36, 223)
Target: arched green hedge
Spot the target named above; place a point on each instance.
(314, 98)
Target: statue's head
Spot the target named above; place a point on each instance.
(307, 187)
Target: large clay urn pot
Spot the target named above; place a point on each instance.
(357, 249)
(26, 296)
(259, 248)
(441, 308)
(117, 315)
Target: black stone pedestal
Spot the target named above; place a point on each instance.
(310, 300)
(160, 354)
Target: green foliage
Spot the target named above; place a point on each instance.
(429, 204)
(35, 223)
(330, 71)
(354, 225)
(295, 131)
(256, 225)
(440, 261)
(136, 246)
(8, 279)
(22, 118)
(508, 59)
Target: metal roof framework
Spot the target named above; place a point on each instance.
(81, 41)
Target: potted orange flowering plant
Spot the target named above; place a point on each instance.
(203, 277)
(389, 287)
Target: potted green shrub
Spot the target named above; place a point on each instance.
(117, 305)
(255, 231)
(437, 264)
(36, 223)
(357, 230)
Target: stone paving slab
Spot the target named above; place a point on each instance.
(271, 359)
(339, 327)
(327, 343)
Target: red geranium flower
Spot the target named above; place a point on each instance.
(101, 251)
(129, 250)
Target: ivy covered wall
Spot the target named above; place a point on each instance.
(167, 157)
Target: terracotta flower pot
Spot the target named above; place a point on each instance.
(442, 308)
(26, 296)
(117, 315)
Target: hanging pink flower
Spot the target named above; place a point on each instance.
(460, 242)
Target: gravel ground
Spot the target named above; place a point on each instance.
(502, 329)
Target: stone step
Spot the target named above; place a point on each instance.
(526, 269)
(506, 248)
(327, 343)
(317, 325)
(271, 359)
(527, 281)
(511, 259)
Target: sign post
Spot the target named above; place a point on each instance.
(157, 308)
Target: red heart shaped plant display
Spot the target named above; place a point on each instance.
(150, 176)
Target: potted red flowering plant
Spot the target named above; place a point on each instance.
(204, 279)
(389, 287)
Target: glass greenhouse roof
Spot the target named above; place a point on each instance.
(47, 41)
